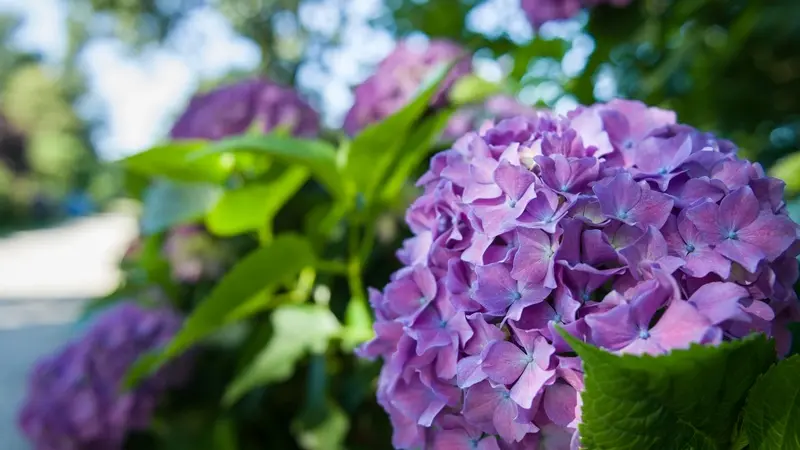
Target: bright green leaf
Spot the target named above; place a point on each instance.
(772, 414)
(252, 206)
(170, 160)
(473, 89)
(358, 324)
(788, 170)
(374, 150)
(688, 399)
(318, 156)
(286, 256)
(168, 203)
(297, 330)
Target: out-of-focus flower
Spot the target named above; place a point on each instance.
(74, 397)
(541, 11)
(399, 77)
(233, 109)
(626, 229)
(193, 254)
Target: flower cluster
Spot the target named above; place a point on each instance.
(494, 108)
(629, 231)
(541, 11)
(193, 254)
(233, 109)
(398, 78)
(74, 397)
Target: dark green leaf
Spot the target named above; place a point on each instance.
(329, 434)
(318, 156)
(168, 203)
(287, 255)
(772, 414)
(171, 160)
(373, 151)
(253, 206)
(297, 330)
(687, 399)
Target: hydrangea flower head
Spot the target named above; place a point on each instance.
(193, 254)
(74, 397)
(398, 78)
(627, 230)
(540, 12)
(233, 109)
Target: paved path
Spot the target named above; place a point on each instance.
(45, 275)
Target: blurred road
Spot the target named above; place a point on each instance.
(45, 276)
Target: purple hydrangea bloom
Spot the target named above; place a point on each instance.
(74, 397)
(398, 78)
(540, 12)
(233, 109)
(629, 231)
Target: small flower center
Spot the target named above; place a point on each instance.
(628, 144)
(585, 296)
(528, 358)
(442, 323)
(644, 334)
(663, 171)
(557, 318)
(516, 295)
(564, 188)
(732, 235)
(423, 300)
(512, 203)
(622, 215)
(690, 248)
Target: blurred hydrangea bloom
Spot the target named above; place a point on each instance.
(398, 78)
(193, 255)
(74, 399)
(233, 109)
(541, 11)
(632, 232)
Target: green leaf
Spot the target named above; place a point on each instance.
(168, 203)
(329, 434)
(473, 89)
(253, 206)
(170, 160)
(358, 324)
(225, 435)
(418, 147)
(687, 399)
(318, 156)
(788, 170)
(286, 256)
(372, 152)
(297, 330)
(537, 48)
(772, 414)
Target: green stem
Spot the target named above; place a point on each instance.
(354, 264)
(333, 267)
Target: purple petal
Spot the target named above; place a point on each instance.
(504, 362)
(652, 210)
(495, 289)
(613, 329)
(738, 209)
(680, 326)
(530, 384)
(719, 301)
(533, 262)
(772, 234)
(560, 402)
(469, 371)
(748, 255)
(515, 181)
